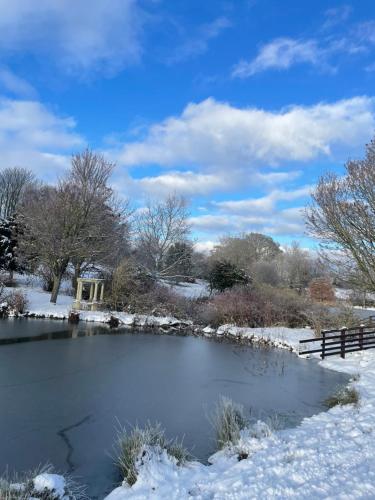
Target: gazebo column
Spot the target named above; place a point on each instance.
(77, 304)
(102, 292)
(94, 302)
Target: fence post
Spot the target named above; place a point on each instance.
(361, 337)
(343, 334)
(323, 344)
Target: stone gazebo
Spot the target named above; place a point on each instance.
(93, 288)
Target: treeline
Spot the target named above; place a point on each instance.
(80, 224)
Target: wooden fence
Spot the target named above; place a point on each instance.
(342, 341)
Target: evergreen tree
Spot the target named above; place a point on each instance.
(224, 274)
(9, 230)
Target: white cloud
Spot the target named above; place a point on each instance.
(80, 36)
(205, 246)
(266, 203)
(33, 136)
(185, 183)
(12, 83)
(216, 135)
(198, 44)
(276, 222)
(319, 51)
(337, 15)
(281, 53)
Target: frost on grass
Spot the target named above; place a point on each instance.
(235, 434)
(343, 396)
(228, 421)
(136, 446)
(40, 484)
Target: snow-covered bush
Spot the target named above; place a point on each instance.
(17, 302)
(343, 396)
(40, 484)
(134, 447)
(228, 421)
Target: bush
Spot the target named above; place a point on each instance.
(345, 396)
(28, 485)
(134, 446)
(161, 301)
(17, 301)
(46, 276)
(321, 290)
(255, 306)
(228, 421)
(224, 274)
(324, 318)
(127, 281)
(133, 291)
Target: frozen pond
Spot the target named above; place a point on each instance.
(61, 398)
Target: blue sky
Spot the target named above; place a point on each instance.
(238, 105)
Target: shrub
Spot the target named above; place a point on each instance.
(345, 396)
(133, 446)
(127, 281)
(228, 421)
(223, 274)
(28, 485)
(321, 290)
(46, 277)
(255, 306)
(322, 318)
(131, 290)
(17, 301)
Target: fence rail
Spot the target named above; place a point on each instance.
(342, 341)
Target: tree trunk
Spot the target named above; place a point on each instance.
(76, 275)
(56, 287)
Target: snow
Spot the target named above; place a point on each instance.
(40, 306)
(50, 482)
(189, 290)
(330, 455)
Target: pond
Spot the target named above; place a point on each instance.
(62, 399)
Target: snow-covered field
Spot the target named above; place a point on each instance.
(330, 455)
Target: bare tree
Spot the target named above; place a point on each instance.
(342, 215)
(100, 218)
(246, 249)
(13, 182)
(74, 222)
(297, 267)
(160, 226)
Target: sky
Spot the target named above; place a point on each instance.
(238, 105)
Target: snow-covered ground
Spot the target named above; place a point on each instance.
(39, 305)
(330, 455)
(189, 290)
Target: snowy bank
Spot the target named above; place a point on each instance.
(330, 455)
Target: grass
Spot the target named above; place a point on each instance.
(343, 396)
(21, 487)
(228, 421)
(133, 445)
